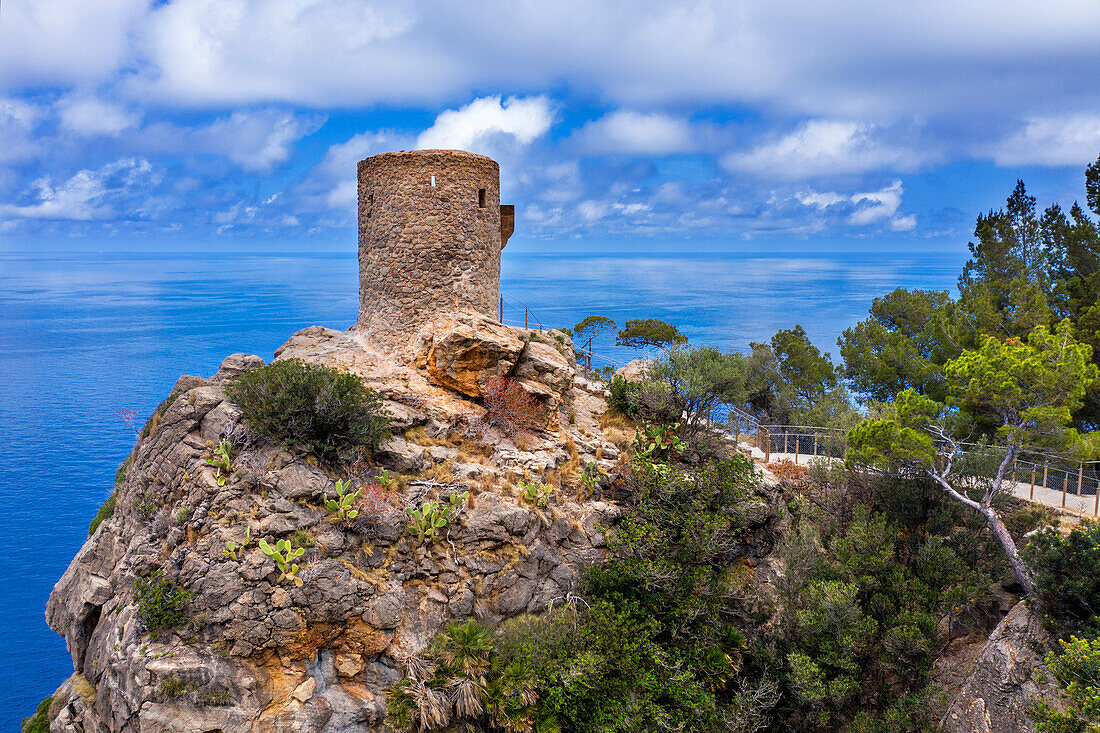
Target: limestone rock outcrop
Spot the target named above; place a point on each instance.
(464, 351)
(634, 371)
(1007, 677)
(257, 654)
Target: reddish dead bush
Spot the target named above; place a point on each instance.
(376, 506)
(787, 469)
(377, 500)
(511, 408)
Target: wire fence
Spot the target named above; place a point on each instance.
(1049, 479)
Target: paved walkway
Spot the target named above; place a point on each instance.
(1079, 505)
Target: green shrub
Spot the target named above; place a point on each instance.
(40, 721)
(161, 603)
(296, 403)
(857, 629)
(123, 469)
(1077, 669)
(106, 511)
(172, 688)
(1067, 579)
(624, 395)
(146, 505)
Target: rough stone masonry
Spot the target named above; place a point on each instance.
(431, 229)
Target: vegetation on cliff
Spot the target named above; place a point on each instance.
(296, 403)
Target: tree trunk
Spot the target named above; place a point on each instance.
(1019, 567)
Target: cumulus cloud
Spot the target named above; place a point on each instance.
(226, 91)
(874, 206)
(863, 209)
(1051, 141)
(778, 55)
(91, 116)
(333, 183)
(63, 42)
(89, 194)
(822, 148)
(257, 141)
(637, 133)
(485, 124)
(325, 52)
(592, 210)
(17, 122)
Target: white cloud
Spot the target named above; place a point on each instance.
(819, 199)
(863, 209)
(322, 52)
(637, 133)
(858, 60)
(484, 124)
(1051, 141)
(257, 141)
(592, 210)
(90, 116)
(632, 208)
(333, 183)
(874, 206)
(904, 223)
(86, 195)
(822, 148)
(17, 122)
(62, 42)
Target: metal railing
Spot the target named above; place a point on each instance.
(1049, 479)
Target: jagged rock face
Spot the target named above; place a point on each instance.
(1007, 677)
(463, 351)
(262, 655)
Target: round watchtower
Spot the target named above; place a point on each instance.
(431, 229)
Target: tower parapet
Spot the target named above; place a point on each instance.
(431, 229)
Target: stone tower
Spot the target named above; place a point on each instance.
(431, 229)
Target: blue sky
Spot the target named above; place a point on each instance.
(868, 124)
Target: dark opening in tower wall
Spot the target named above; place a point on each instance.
(481, 198)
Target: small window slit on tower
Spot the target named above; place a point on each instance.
(433, 181)
(481, 198)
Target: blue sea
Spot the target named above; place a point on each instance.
(92, 329)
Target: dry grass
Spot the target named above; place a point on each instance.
(442, 473)
(357, 572)
(420, 436)
(617, 427)
(570, 471)
(478, 458)
(84, 688)
(469, 450)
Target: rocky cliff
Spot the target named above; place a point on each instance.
(257, 654)
(1007, 677)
